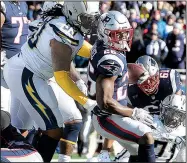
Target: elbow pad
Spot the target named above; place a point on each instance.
(85, 50)
(65, 82)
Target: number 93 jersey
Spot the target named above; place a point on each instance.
(36, 52)
(108, 63)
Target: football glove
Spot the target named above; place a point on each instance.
(142, 116)
(82, 86)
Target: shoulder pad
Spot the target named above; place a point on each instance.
(110, 65)
(175, 80)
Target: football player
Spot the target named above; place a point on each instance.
(107, 84)
(152, 88)
(71, 115)
(169, 134)
(48, 52)
(14, 31)
(14, 147)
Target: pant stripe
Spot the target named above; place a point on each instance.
(111, 127)
(38, 104)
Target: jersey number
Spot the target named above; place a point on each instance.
(33, 39)
(163, 149)
(164, 74)
(121, 92)
(21, 21)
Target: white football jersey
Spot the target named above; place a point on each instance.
(168, 143)
(36, 52)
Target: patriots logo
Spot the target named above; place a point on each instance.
(111, 67)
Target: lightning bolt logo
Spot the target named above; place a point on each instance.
(38, 103)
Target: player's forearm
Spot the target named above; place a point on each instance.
(115, 107)
(65, 82)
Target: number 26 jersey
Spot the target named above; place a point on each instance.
(108, 63)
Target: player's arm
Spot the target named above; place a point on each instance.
(175, 82)
(61, 61)
(85, 50)
(2, 10)
(104, 97)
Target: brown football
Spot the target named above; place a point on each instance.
(135, 71)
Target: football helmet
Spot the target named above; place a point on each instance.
(82, 14)
(149, 81)
(173, 111)
(115, 31)
(49, 5)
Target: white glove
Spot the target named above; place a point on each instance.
(90, 104)
(82, 86)
(3, 58)
(142, 116)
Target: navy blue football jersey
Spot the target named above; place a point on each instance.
(169, 83)
(15, 28)
(107, 62)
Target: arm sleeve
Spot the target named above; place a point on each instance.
(175, 80)
(110, 65)
(85, 50)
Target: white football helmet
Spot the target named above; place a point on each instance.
(82, 14)
(115, 31)
(173, 111)
(149, 81)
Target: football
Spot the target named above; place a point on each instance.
(135, 71)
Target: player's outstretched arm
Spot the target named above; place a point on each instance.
(104, 97)
(61, 61)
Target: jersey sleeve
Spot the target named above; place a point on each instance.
(110, 65)
(175, 80)
(63, 32)
(3, 8)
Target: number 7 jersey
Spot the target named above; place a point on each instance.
(36, 52)
(108, 63)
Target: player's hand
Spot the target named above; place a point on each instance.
(142, 116)
(82, 86)
(90, 104)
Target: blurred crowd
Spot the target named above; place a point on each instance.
(159, 29)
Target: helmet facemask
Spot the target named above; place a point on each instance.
(172, 117)
(86, 22)
(120, 40)
(150, 85)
